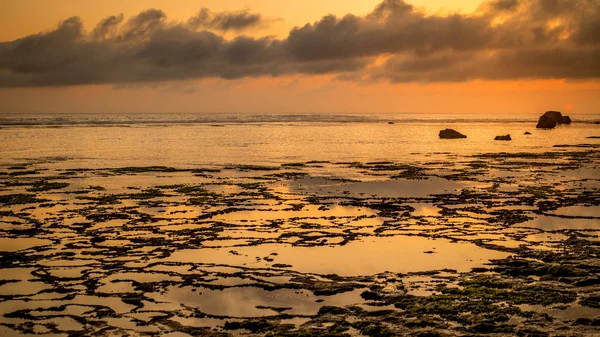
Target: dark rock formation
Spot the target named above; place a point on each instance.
(546, 122)
(527, 133)
(507, 137)
(565, 120)
(451, 134)
(555, 115)
(549, 120)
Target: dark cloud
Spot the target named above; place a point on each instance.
(558, 63)
(107, 28)
(224, 21)
(503, 39)
(144, 24)
(504, 5)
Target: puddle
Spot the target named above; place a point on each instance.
(141, 277)
(116, 288)
(547, 222)
(571, 313)
(423, 209)
(13, 245)
(65, 324)
(22, 288)
(308, 211)
(576, 311)
(369, 256)
(199, 322)
(579, 211)
(256, 302)
(16, 273)
(389, 188)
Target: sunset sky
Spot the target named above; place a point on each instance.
(501, 56)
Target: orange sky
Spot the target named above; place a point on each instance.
(23, 17)
(300, 93)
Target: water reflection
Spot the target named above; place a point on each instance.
(368, 256)
(547, 222)
(256, 302)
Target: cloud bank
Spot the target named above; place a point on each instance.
(396, 42)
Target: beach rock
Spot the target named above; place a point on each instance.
(527, 133)
(451, 134)
(507, 137)
(546, 122)
(391, 123)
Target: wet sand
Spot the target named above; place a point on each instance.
(503, 243)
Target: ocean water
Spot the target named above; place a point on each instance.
(113, 140)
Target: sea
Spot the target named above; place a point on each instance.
(189, 139)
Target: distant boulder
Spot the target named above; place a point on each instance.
(451, 134)
(527, 133)
(507, 137)
(555, 115)
(545, 121)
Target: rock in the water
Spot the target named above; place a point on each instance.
(391, 123)
(507, 137)
(451, 134)
(527, 133)
(565, 120)
(555, 116)
(546, 122)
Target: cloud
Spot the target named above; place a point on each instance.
(225, 21)
(531, 63)
(144, 24)
(503, 39)
(107, 27)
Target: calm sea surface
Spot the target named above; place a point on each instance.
(112, 140)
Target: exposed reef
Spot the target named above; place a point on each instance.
(485, 245)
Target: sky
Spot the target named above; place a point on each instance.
(311, 56)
